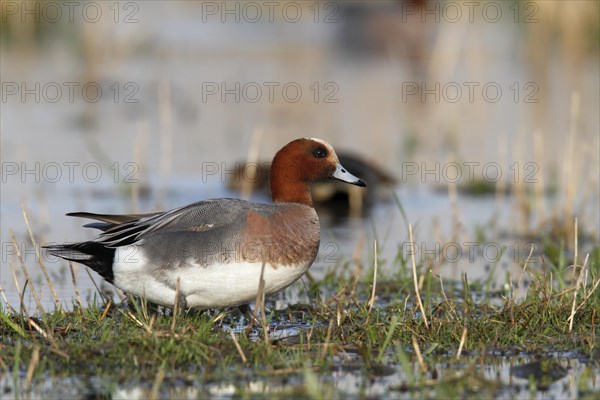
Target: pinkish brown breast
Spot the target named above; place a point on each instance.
(288, 236)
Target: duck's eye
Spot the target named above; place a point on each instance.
(319, 152)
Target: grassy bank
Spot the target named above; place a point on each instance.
(405, 324)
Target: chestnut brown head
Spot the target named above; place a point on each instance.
(301, 162)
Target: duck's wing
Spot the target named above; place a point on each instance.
(110, 220)
(123, 230)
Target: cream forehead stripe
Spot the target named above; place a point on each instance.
(324, 143)
(318, 140)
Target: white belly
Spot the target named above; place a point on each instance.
(218, 285)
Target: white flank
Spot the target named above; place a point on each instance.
(218, 285)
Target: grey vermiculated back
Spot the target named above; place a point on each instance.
(199, 216)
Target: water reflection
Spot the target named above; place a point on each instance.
(495, 378)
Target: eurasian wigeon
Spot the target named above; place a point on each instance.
(217, 248)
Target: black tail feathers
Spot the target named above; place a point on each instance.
(92, 254)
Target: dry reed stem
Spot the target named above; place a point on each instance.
(260, 303)
(538, 151)
(252, 157)
(523, 272)
(585, 278)
(263, 317)
(26, 273)
(414, 270)
(105, 313)
(501, 183)
(520, 191)
(357, 265)
(132, 317)
(512, 298)
(594, 287)
(3, 365)
(455, 212)
(33, 363)
(41, 260)
(327, 339)
(261, 288)
(238, 347)
(219, 317)
(6, 301)
(572, 316)
(158, 379)
(570, 175)
(138, 157)
(339, 313)
(463, 338)
(21, 303)
(590, 188)
(77, 296)
(152, 321)
(144, 306)
(442, 64)
(419, 355)
(165, 116)
(45, 335)
(372, 299)
(452, 308)
(439, 238)
(141, 324)
(56, 351)
(422, 278)
(453, 197)
(575, 249)
(96, 285)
